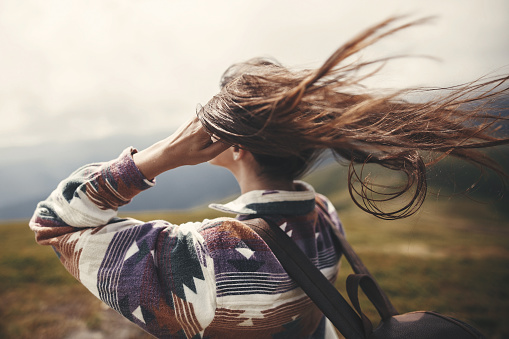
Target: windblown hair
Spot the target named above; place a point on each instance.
(287, 118)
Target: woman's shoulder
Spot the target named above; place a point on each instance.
(324, 201)
(225, 229)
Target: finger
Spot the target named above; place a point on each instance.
(217, 148)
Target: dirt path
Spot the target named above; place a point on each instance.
(112, 325)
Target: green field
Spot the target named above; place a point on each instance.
(452, 257)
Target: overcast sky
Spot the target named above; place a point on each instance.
(88, 69)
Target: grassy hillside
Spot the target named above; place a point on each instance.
(452, 257)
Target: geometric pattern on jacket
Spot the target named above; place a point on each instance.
(211, 279)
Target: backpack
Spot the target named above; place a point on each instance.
(354, 324)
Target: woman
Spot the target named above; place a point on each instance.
(217, 278)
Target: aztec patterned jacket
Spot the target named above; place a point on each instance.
(211, 279)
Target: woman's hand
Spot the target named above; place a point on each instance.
(189, 145)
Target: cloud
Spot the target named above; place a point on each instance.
(86, 69)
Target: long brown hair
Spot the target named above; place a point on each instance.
(286, 118)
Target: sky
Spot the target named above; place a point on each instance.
(75, 70)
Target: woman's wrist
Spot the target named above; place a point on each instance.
(154, 160)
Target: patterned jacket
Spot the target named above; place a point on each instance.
(211, 279)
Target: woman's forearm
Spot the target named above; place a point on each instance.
(155, 159)
(91, 195)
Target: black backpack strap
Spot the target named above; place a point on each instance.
(384, 306)
(372, 290)
(309, 278)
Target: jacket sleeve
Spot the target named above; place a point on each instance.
(153, 273)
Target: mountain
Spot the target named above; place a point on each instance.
(29, 174)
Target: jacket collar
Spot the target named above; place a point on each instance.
(260, 202)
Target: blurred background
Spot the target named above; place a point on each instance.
(82, 80)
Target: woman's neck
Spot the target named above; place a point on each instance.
(249, 175)
(248, 184)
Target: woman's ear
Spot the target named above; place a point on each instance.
(237, 153)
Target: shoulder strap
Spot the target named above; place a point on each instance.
(310, 279)
(356, 263)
